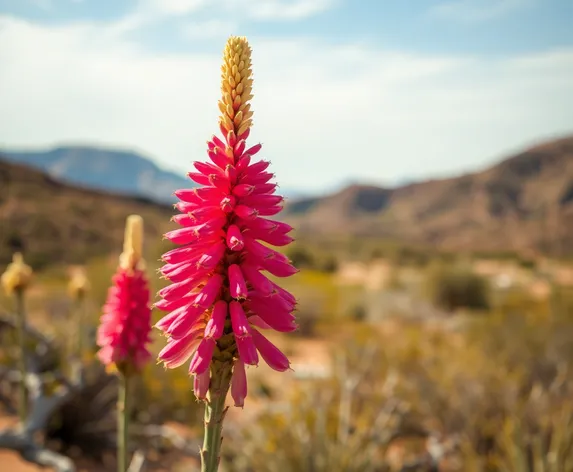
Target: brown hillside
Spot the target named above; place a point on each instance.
(525, 202)
(56, 222)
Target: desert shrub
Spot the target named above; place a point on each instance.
(301, 258)
(451, 287)
(340, 424)
(357, 313)
(329, 265)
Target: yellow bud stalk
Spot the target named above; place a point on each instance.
(79, 284)
(236, 83)
(132, 256)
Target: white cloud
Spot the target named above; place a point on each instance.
(148, 11)
(282, 9)
(174, 7)
(45, 5)
(208, 29)
(477, 10)
(324, 113)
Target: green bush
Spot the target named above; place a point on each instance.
(301, 258)
(452, 288)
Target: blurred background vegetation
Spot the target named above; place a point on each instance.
(406, 359)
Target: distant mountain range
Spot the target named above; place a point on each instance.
(112, 170)
(117, 171)
(59, 222)
(523, 203)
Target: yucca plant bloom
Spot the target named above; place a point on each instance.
(220, 299)
(15, 280)
(125, 325)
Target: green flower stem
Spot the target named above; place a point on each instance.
(214, 416)
(21, 334)
(123, 408)
(78, 348)
(80, 308)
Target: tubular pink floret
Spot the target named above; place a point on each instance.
(201, 385)
(239, 383)
(202, 357)
(270, 353)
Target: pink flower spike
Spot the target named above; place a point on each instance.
(220, 288)
(237, 284)
(239, 383)
(201, 384)
(125, 324)
(235, 240)
(270, 353)
(202, 357)
(216, 324)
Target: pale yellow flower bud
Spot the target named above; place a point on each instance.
(79, 284)
(236, 86)
(17, 276)
(132, 256)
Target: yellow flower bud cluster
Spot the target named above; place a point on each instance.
(17, 276)
(236, 87)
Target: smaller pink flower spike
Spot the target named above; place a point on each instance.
(125, 325)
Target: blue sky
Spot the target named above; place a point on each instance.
(346, 90)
